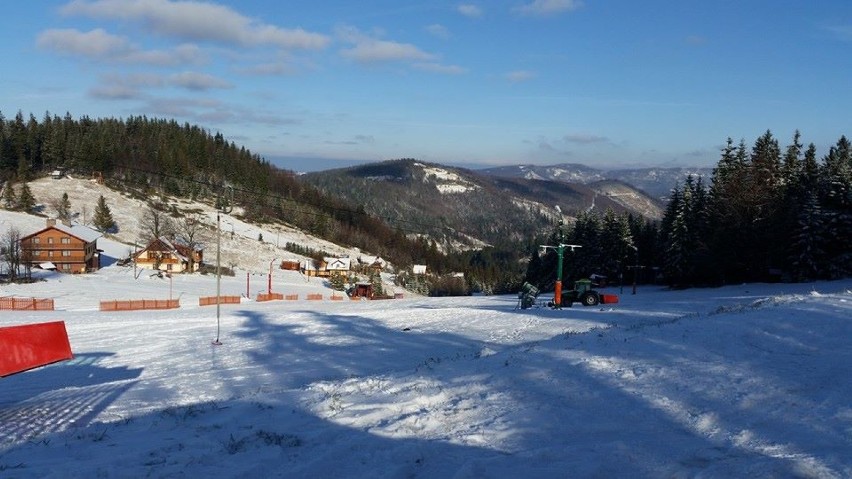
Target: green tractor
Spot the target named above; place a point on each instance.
(585, 295)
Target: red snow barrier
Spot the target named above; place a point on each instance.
(137, 304)
(209, 300)
(609, 298)
(291, 297)
(314, 297)
(31, 304)
(32, 345)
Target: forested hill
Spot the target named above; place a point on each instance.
(149, 155)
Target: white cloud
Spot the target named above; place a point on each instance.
(470, 10)
(438, 31)
(519, 76)
(549, 7)
(197, 81)
(585, 138)
(198, 21)
(367, 49)
(95, 44)
(440, 68)
(841, 32)
(99, 45)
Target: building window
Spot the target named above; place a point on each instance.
(49, 240)
(36, 240)
(65, 267)
(49, 253)
(66, 240)
(66, 253)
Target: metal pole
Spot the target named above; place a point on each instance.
(218, 274)
(560, 251)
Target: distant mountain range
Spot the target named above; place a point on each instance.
(470, 208)
(657, 182)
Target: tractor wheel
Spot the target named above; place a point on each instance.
(591, 299)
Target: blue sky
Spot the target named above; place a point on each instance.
(600, 82)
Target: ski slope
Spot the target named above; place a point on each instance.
(743, 381)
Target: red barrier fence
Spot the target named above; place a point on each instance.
(269, 296)
(314, 297)
(137, 304)
(336, 298)
(209, 300)
(291, 297)
(31, 304)
(32, 345)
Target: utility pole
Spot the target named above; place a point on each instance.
(560, 253)
(224, 205)
(635, 266)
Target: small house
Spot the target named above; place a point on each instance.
(170, 255)
(362, 290)
(372, 263)
(69, 248)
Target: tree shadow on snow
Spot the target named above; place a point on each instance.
(60, 396)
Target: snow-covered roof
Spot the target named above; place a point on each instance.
(83, 232)
(338, 264)
(78, 231)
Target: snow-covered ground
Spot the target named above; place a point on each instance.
(741, 381)
(746, 381)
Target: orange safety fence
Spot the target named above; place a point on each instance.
(137, 304)
(336, 298)
(31, 304)
(291, 297)
(269, 296)
(314, 297)
(210, 300)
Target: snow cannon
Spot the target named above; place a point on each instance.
(527, 296)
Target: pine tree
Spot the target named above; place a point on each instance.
(337, 281)
(103, 220)
(26, 200)
(63, 208)
(807, 253)
(10, 199)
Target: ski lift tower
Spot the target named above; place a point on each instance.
(560, 253)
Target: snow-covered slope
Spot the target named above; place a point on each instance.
(745, 381)
(239, 241)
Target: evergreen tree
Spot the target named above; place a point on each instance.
(10, 199)
(103, 220)
(376, 282)
(63, 208)
(807, 249)
(26, 200)
(836, 196)
(337, 281)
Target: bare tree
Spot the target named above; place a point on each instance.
(190, 230)
(155, 223)
(12, 254)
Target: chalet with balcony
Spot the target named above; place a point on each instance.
(325, 267)
(66, 247)
(170, 255)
